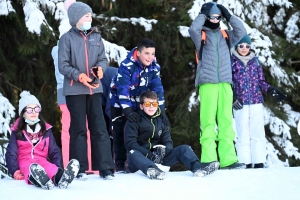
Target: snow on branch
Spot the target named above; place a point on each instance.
(34, 17)
(6, 7)
(114, 53)
(292, 30)
(7, 112)
(146, 23)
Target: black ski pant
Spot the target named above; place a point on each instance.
(118, 123)
(89, 107)
(183, 153)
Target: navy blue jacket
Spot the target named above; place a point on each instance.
(146, 133)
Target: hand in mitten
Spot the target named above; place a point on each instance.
(224, 12)
(158, 154)
(131, 115)
(18, 175)
(237, 104)
(84, 79)
(276, 93)
(206, 8)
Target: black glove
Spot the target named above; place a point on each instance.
(237, 104)
(206, 8)
(131, 115)
(276, 93)
(165, 119)
(158, 154)
(224, 12)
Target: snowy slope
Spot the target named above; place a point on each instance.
(270, 183)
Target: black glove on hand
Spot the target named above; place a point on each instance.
(158, 154)
(131, 115)
(237, 104)
(276, 93)
(165, 119)
(224, 12)
(206, 8)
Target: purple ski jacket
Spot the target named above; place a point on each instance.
(248, 78)
(21, 153)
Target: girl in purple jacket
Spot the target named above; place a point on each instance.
(248, 85)
(32, 153)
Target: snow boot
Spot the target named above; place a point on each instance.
(249, 166)
(82, 177)
(39, 177)
(235, 165)
(106, 174)
(64, 177)
(203, 169)
(156, 173)
(258, 165)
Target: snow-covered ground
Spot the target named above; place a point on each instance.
(270, 183)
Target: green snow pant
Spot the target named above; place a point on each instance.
(216, 108)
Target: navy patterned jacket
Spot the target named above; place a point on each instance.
(132, 80)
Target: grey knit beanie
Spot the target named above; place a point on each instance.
(26, 99)
(214, 9)
(76, 11)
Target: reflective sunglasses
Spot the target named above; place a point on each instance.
(148, 104)
(246, 46)
(30, 110)
(215, 17)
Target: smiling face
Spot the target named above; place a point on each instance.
(244, 50)
(32, 108)
(151, 110)
(146, 55)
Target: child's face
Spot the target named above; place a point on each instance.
(149, 110)
(85, 18)
(146, 56)
(32, 112)
(214, 18)
(243, 49)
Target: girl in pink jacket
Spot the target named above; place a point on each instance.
(32, 153)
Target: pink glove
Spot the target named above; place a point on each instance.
(83, 78)
(18, 175)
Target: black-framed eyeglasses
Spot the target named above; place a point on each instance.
(246, 46)
(30, 110)
(214, 17)
(148, 104)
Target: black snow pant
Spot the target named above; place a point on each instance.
(118, 123)
(89, 107)
(183, 153)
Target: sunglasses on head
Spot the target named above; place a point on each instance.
(148, 104)
(214, 17)
(246, 46)
(30, 110)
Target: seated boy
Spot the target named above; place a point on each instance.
(148, 141)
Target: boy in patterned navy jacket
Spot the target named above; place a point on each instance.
(138, 73)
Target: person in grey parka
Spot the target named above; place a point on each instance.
(214, 79)
(82, 61)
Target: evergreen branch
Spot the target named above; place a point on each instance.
(10, 83)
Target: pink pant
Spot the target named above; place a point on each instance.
(65, 137)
